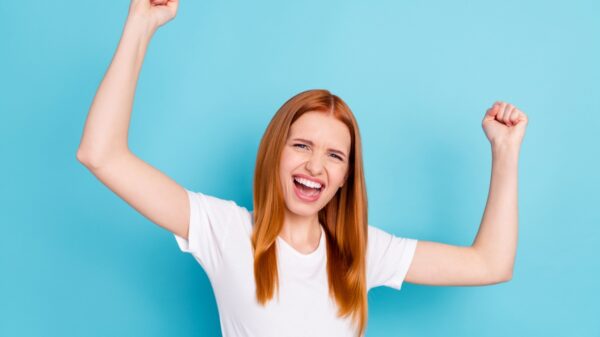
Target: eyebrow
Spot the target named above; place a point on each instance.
(311, 144)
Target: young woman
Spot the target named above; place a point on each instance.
(302, 262)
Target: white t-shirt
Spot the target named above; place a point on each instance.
(219, 239)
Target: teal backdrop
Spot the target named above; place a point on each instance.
(75, 260)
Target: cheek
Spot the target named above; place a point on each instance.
(290, 161)
(287, 165)
(337, 175)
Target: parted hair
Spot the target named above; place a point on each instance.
(344, 217)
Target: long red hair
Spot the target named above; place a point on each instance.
(344, 218)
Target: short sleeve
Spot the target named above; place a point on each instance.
(388, 258)
(211, 220)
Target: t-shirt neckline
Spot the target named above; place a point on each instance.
(315, 252)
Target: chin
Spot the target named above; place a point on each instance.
(302, 210)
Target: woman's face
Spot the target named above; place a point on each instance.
(314, 162)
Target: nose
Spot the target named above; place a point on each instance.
(314, 164)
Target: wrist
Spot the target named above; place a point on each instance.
(505, 149)
(140, 25)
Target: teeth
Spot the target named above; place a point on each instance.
(307, 183)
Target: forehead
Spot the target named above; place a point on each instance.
(322, 129)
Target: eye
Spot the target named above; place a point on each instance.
(337, 157)
(302, 146)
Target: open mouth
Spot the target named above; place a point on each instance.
(306, 189)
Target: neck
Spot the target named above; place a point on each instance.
(301, 230)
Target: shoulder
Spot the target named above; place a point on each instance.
(388, 258)
(376, 236)
(379, 240)
(223, 211)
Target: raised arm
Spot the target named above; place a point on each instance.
(104, 147)
(490, 259)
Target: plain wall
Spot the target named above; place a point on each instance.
(75, 260)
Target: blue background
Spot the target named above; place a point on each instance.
(75, 260)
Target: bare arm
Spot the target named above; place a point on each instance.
(490, 259)
(107, 124)
(496, 240)
(104, 146)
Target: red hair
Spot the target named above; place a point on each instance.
(344, 218)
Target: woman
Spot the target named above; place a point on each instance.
(302, 262)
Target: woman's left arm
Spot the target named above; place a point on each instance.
(490, 259)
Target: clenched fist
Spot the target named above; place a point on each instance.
(154, 13)
(504, 124)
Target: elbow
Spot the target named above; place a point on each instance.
(497, 272)
(498, 275)
(83, 158)
(505, 276)
(88, 160)
(93, 159)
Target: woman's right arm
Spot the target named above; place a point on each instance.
(104, 148)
